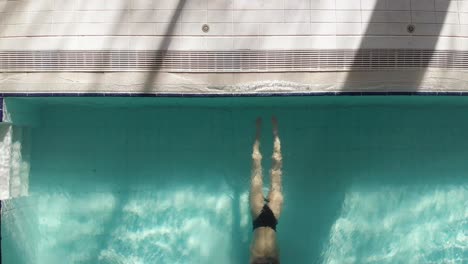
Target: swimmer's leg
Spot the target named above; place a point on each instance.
(276, 195)
(256, 184)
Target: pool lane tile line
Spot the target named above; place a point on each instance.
(341, 93)
(1, 114)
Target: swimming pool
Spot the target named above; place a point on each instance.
(165, 180)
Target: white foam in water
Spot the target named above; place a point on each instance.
(58, 226)
(5, 161)
(401, 225)
(179, 226)
(244, 215)
(182, 226)
(72, 222)
(416, 224)
(266, 86)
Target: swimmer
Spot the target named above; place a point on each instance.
(265, 212)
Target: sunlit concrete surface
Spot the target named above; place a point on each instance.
(234, 24)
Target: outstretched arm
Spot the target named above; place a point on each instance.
(256, 184)
(276, 194)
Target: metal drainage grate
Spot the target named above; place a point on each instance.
(230, 61)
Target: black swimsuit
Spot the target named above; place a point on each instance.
(265, 219)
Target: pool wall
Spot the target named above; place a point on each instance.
(1, 259)
(1, 248)
(5, 147)
(14, 161)
(1, 109)
(366, 179)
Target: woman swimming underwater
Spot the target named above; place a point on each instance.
(265, 212)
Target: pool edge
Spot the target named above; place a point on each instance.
(273, 94)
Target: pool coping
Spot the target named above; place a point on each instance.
(263, 94)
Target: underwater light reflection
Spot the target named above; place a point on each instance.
(184, 225)
(401, 225)
(179, 226)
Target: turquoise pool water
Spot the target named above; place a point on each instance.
(165, 180)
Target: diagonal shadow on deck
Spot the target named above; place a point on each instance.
(381, 34)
